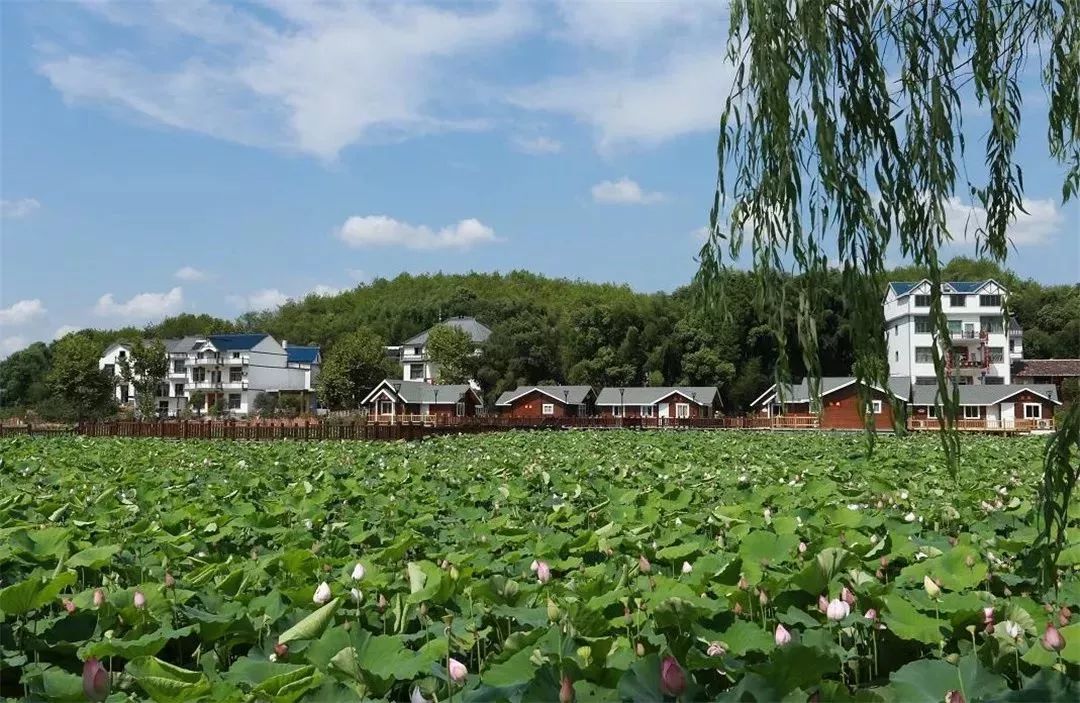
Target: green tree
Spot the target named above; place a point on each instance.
(266, 404)
(145, 369)
(22, 376)
(197, 402)
(352, 367)
(452, 351)
(76, 380)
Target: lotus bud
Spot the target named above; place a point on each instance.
(781, 636)
(566, 690)
(823, 603)
(140, 600)
(716, 650)
(738, 609)
(69, 606)
(454, 573)
(553, 611)
(1064, 616)
(1047, 608)
(458, 672)
(672, 677)
(1014, 630)
(170, 582)
(802, 547)
(870, 615)
(358, 572)
(837, 610)
(988, 615)
(281, 650)
(640, 649)
(768, 514)
(763, 597)
(322, 594)
(95, 680)
(743, 583)
(444, 564)
(543, 572)
(932, 589)
(417, 697)
(534, 566)
(424, 609)
(847, 596)
(955, 696)
(910, 517)
(879, 574)
(687, 568)
(1052, 639)
(969, 561)
(356, 594)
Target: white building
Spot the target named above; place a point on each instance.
(416, 363)
(232, 368)
(982, 340)
(111, 362)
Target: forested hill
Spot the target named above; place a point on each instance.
(558, 330)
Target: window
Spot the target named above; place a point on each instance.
(997, 354)
(236, 355)
(646, 411)
(923, 325)
(1012, 345)
(386, 407)
(616, 411)
(236, 375)
(163, 390)
(990, 301)
(110, 369)
(125, 392)
(994, 381)
(682, 410)
(547, 408)
(460, 409)
(178, 366)
(234, 401)
(958, 301)
(931, 412)
(955, 327)
(925, 380)
(897, 356)
(215, 376)
(991, 325)
(121, 354)
(874, 407)
(198, 374)
(178, 389)
(418, 350)
(416, 372)
(924, 355)
(775, 409)
(163, 407)
(1032, 411)
(972, 412)
(922, 301)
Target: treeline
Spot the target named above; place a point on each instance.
(562, 331)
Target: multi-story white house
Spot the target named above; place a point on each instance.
(982, 341)
(416, 363)
(232, 368)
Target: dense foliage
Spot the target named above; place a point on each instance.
(630, 565)
(572, 331)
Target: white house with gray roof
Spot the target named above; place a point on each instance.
(993, 407)
(659, 401)
(416, 363)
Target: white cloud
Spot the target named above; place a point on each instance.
(624, 192)
(21, 312)
(1038, 225)
(301, 76)
(359, 275)
(538, 145)
(380, 230)
(17, 209)
(647, 103)
(143, 306)
(265, 299)
(10, 345)
(190, 273)
(626, 26)
(323, 290)
(65, 330)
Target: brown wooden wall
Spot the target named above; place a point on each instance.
(532, 405)
(1019, 399)
(843, 410)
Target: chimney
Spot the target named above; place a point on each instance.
(284, 344)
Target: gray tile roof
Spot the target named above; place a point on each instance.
(574, 395)
(420, 392)
(982, 394)
(899, 386)
(477, 331)
(180, 346)
(647, 395)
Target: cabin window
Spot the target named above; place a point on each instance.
(1032, 411)
(616, 411)
(682, 410)
(460, 409)
(972, 412)
(958, 301)
(163, 407)
(646, 411)
(874, 407)
(386, 407)
(931, 412)
(198, 374)
(990, 301)
(548, 409)
(926, 380)
(994, 381)
(178, 389)
(236, 355)
(236, 375)
(997, 355)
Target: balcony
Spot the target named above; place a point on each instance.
(218, 360)
(969, 335)
(208, 385)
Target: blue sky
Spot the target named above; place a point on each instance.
(206, 157)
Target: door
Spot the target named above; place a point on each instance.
(664, 410)
(1007, 414)
(992, 417)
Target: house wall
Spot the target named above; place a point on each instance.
(1020, 399)
(635, 410)
(842, 410)
(532, 405)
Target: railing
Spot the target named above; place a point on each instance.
(985, 424)
(970, 334)
(218, 360)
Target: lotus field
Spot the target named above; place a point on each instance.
(558, 566)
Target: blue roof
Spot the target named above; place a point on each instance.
(903, 288)
(235, 342)
(301, 355)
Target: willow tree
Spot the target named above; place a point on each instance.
(843, 139)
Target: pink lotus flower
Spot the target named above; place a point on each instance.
(672, 677)
(823, 604)
(140, 600)
(281, 650)
(1052, 639)
(955, 696)
(566, 690)
(643, 564)
(716, 650)
(543, 572)
(69, 605)
(837, 610)
(782, 636)
(99, 597)
(743, 583)
(457, 670)
(417, 697)
(847, 596)
(870, 615)
(95, 680)
(534, 566)
(802, 547)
